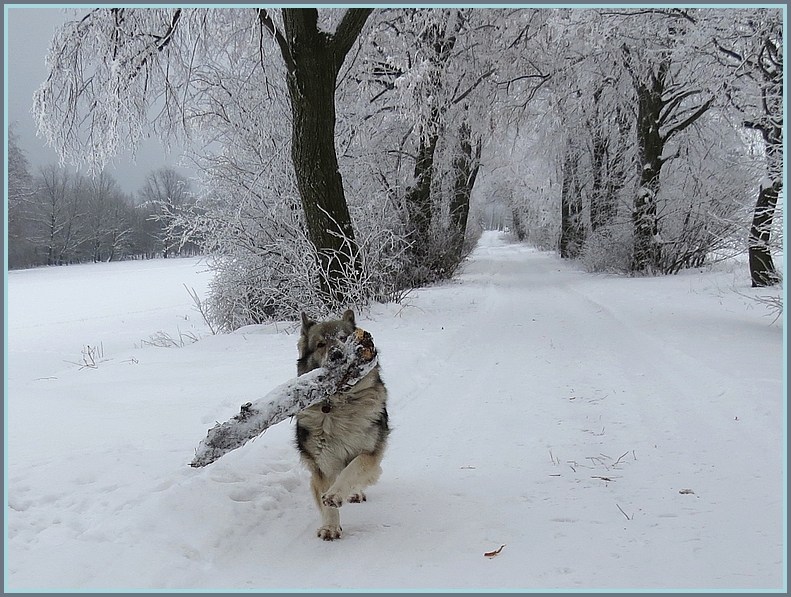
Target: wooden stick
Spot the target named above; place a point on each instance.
(356, 360)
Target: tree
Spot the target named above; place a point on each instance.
(572, 225)
(669, 100)
(313, 59)
(109, 69)
(436, 81)
(466, 164)
(98, 190)
(20, 194)
(637, 101)
(166, 193)
(753, 54)
(58, 214)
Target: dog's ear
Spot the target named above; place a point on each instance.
(349, 317)
(307, 323)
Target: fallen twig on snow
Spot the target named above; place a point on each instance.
(625, 514)
(619, 459)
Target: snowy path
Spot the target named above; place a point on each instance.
(612, 433)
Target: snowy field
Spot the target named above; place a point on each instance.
(611, 433)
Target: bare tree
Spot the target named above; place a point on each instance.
(58, 214)
(20, 201)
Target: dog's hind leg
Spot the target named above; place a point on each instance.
(330, 517)
(361, 472)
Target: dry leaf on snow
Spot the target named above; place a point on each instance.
(491, 554)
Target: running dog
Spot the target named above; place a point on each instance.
(342, 439)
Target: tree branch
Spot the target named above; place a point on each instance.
(726, 51)
(472, 87)
(347, 32)
(265, 20)
(671, 104)
(692, 118)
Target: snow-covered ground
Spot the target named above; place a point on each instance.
(611, 433)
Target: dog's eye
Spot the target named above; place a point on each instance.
(321, 344)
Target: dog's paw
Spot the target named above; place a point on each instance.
(356, 498)
(329, 532)
(332, 500)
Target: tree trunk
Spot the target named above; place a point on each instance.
(608, 171)
(313, 59)
(599, 205)
(572, 227)
(51, 242)
(647, 251)
(660, 105)
(465, 167)
(519, 228)
(427, 255)
(762, 267)
(418, 200)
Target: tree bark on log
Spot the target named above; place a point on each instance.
(344, 369)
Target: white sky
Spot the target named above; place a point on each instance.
(29, 33)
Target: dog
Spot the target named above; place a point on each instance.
(342, 439)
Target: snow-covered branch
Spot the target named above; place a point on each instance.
(345, 367)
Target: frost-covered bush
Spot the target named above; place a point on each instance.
(266, 269)
(608, 249)
(704, 204)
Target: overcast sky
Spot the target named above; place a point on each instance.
(30, 31)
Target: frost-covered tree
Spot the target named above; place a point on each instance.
(116, 73)
(166, 193)
(434, 83)
(313, 58)
(750, 45)
(651, 171)
(670, 98)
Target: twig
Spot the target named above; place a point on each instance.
(621, 456)
(625, 514)
(201, 308)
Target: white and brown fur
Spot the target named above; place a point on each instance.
(342, 439)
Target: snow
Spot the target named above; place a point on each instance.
(612, 433)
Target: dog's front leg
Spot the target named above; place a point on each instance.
(330, 517)
(361, 472)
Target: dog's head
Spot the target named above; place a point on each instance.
(321, 341)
